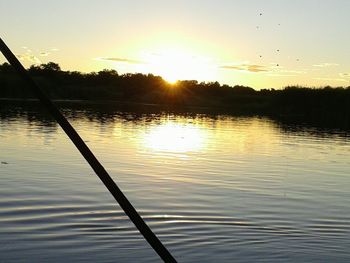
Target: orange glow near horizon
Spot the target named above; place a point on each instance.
(175, 64)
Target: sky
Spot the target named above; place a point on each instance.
(261, 44)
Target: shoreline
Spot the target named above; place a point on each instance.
(114, 106)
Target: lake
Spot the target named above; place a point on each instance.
(212, 187)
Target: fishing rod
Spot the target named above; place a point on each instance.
(100, 171)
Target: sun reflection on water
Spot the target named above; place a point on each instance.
(175, 137)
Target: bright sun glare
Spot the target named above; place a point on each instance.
(177, 64)
(174, 137)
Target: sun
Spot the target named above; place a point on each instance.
(175, 64)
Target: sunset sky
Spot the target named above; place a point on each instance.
(262, 44)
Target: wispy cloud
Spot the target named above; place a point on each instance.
(122, 60)
(246, 67)
(29, 58)
(344, 75)
(325, 65)
(293, 71)
(332, 79)
(281, 75)
(33, 57)
(27, 49)
(44, 54)
(272, 69)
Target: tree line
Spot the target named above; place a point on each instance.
(107, 85)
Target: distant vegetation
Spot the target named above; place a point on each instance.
(322, 104)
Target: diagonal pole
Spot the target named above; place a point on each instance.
(124, 203)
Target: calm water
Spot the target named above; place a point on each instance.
(224, 189)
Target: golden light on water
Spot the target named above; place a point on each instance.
(175, 137)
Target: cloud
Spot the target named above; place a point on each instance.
(122, 60)
(332, 79)
(293, 71)
(246, 67)
(29, 58)
(27, 49)
(44, 54)
(281, 75)
(344, 75)
(32, 57)
(325, 65)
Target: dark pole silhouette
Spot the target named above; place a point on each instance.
(89, 157)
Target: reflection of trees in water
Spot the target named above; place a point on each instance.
(32, 115)
(105, 114)
(314, 128)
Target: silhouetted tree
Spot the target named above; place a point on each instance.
(51, 66)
